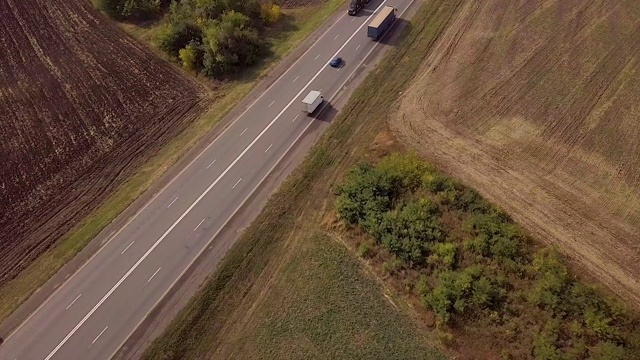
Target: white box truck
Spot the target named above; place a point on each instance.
(312, 101)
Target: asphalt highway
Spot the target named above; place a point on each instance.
(95, 310)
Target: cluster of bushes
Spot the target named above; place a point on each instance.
(217, 37)
(477, 267)
(131, 9)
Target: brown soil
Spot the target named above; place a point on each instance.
(535, 104)
(80, 104)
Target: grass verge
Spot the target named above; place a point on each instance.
(245, 274)
(302, 22)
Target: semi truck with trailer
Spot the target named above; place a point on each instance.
(381, 22)
(312, 101)
(355, 6)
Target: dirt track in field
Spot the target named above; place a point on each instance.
(80, 104)
(536, 105)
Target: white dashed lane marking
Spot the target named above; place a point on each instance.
(74, 300)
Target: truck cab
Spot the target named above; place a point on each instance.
(355, 6)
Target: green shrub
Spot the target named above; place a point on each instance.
(608, 351)
(553, 279)
(175, 36)
(407, 170)
(365, 193)
(437, 183)
(129, 9)
(191, 56)
(495, 237)
(229, 44)
(443, 256)
(469, 200)
(270, 13)
(545, 344)
(364, 250)
(409, 233)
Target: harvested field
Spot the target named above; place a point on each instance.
(80, 104)
(535, 104)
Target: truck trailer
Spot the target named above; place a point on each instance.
(355, 6)
(312, 101)
(381, 22)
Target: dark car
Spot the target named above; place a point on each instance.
(335, 62)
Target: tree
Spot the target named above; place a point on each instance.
(271, 13)
(129, 9)
(176, 35)
(191, 56)
(229, 43)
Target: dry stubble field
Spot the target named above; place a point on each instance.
(80, 103)
(535, 104)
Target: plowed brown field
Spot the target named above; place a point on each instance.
(535, 103)
(80, 103)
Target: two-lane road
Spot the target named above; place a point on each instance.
(93, 313)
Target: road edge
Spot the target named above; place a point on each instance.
(42, 294)
(192, 279)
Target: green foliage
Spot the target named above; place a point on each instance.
(220, 37)
(469, 200)
(364, 250)
(191, 56)
(130, 9)
(406, 170)
(437, 183)
(365, 195)
(457, 291)
(608, 351)
(443, 256)
(270, 13)
(476, 263)
(410, 232)
(553, 279)
(496, 238)
(230, 43)
(177, 35)
(545, 345)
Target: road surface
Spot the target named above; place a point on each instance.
(94, 311)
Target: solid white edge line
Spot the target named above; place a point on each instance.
(125, 276)
(206, 246)
(169, 183)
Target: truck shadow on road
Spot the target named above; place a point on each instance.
(327, 113)
(392, 35)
